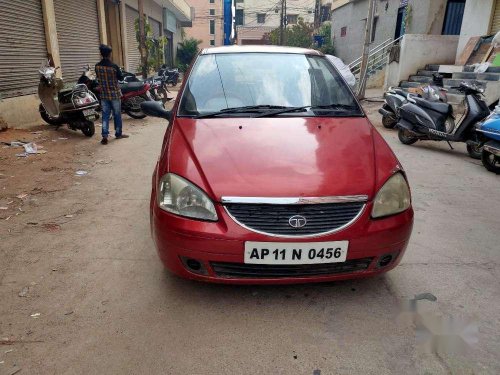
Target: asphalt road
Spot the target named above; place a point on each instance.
(106, 306)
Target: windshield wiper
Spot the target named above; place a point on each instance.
(245, 109)
(330, 107)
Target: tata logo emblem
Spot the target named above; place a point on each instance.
(297, 221)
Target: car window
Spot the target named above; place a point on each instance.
(221, 81)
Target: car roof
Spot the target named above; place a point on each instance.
(259, 49)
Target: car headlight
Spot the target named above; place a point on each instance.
(179, 196)
(392, 198)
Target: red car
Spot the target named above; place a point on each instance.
(271, 173)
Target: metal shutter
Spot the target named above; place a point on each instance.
(78, 33)
(155, 27)
(22, 46)
(134, 55)
(495, 25)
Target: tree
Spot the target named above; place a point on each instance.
(298, 35)
(186, 52)
(326, 32)
(155, 48)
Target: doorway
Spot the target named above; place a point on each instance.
(453, 17)
(400, 28)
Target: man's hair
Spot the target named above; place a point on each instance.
(105, 50)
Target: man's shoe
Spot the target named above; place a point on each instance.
(104, 141)
(122, 136)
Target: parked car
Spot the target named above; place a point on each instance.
(273, 175)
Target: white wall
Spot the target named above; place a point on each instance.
(477, 17)
(417, 50)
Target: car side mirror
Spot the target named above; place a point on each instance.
(155, 109)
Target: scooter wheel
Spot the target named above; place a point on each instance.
(491, 162)
(475, 152)
(389, 122)
(405, 137)
(88, 129)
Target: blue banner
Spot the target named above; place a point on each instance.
(228, 21)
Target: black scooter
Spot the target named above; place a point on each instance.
(420, 119)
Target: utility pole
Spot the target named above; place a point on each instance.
(142, 39)
(366, 50)
(282, 21)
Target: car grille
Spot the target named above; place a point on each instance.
(241, 270)
(274, 218)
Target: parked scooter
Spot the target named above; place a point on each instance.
(171, 74)
(75, 107)
(133, 93)
(420, 119)
(489, 133)
(396, 97)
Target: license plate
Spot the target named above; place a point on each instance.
(88, 112)
(295, 252)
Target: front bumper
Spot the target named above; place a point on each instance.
(212, 244)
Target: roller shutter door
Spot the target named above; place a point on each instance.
(22, 46)
(495, 25)
(78, 32)
(155, 27)
(134, 55)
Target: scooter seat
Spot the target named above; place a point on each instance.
(400, 92)
(131, 86)
(433, 106)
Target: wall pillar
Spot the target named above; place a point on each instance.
(123, 28)
(49, 21)
(101, 15)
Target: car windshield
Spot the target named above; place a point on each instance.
(243, 84)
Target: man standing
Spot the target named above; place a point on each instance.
(108, 75)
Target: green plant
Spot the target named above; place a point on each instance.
(326, 32)
(186, 52)
(298, 35)
(155, 47)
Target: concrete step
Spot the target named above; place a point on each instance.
(477, 76)
(432, 67)
(429, 73)
(491, 69)
(421, 79)
(456, 82)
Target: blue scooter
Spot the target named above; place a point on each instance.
(489, 131)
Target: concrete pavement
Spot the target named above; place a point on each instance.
(107, 306)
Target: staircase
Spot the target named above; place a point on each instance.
(490, 81)
(377, 59)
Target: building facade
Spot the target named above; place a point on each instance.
(68, 32)
(208, 22)
(255, 18)
(394, 18)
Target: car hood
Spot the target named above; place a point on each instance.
(275, 157)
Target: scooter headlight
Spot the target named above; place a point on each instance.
(393, 198)
(179, 196)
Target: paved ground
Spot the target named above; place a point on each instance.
(105, 304)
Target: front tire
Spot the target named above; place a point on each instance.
(491, 162)
(405, 137)
(475, 152)
(389, 121)
(135, 111)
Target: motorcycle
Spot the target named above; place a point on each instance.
(489, 132)
(75, 107)
(171, 74)
(133, 93)
(159, 85)
(394, 98)
(420, 119)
